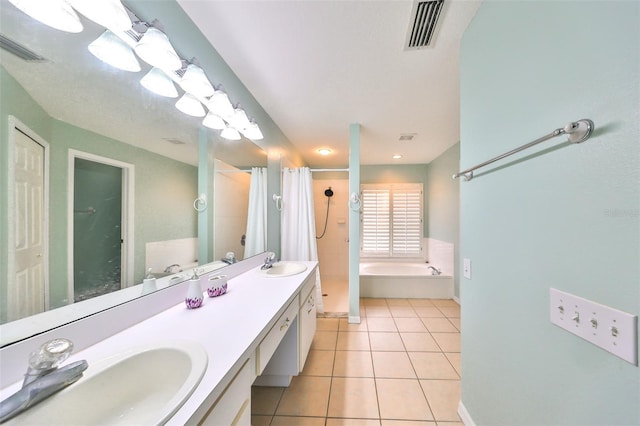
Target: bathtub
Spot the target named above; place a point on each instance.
(410, 280)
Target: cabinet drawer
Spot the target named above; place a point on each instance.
(232, 406)
(271, 341)
(308, 285)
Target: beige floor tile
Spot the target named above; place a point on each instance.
(450, 312)
(449, 424)
(377, 311)
(398, 302)
(439, 325)
(387, 422)
(432, 365)
(456, 323)
(260, 420)
(324, 340)
(354, 398)
(428, 312)
(345, 325)
(410, 325)
(305, 396)
(445, 302)
(353, 341)
(448, 342)
(443, 397)
(371, 301)
(419, 342)
(420, 302)
(297, 421)
(454, 359)
(327, 324)
(353, 422)
(353, 364)
(402, 399)
(264, 399)
(403, 312)
(385, 341)
(394, 365)
(319, 363)
(381, 324)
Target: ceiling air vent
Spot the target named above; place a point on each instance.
(422, 27)
(19, 50)
(407, 136)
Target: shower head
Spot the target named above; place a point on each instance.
(328, 192)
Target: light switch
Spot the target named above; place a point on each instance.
(466, 268)
(612, 330)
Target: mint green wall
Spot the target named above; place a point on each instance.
(442, 202)
(395, 173)
(164, 188)
(566, 218)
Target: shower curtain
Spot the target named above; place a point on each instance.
(256, 241)
(299, 223)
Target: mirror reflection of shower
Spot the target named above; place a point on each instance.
(328, 193)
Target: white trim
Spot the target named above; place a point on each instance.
(456, 299)
(464, 415)
(13, 125)
(128, 235)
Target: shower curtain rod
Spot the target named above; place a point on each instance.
(578, 131)
(328, 170)
(234, 171)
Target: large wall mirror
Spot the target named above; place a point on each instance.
(113, 152)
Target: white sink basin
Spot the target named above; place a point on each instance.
(144, 386)
(283, 269)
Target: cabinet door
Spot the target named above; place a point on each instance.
(234, 405)
(307, 318)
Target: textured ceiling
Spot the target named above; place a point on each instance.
(318, 66)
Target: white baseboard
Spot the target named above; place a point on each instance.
(456, 299)
(464, 415)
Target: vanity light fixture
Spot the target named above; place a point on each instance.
(324, 151)
(220, 104)
(230, 133)
(214, 121)
(111, 49)
(155, 49)
(57, 14)
(194, 81)
(111, 14)
(239, 119)
(190, 105)
(253, 132)
(158, 82)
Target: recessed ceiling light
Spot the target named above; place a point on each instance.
(397, 157)
(324, 151)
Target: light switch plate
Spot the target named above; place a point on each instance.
(466, 268)
(612, 330)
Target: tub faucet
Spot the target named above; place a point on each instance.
(43, 377)
(269, 261)
(434, 270)
(169, 269)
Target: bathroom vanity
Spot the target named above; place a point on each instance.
(258, 333)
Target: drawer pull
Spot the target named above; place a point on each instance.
(285, 325)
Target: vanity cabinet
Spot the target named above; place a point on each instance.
(233, 407)
(307, 320)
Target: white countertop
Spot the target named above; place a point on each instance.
(229, 328)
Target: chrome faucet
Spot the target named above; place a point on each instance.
(43, 377)
(269, 261)
(169, 269)
(229, 258)
(434, 270)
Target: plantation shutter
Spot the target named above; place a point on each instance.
(391, 220)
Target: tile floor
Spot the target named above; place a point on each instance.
(399, 367)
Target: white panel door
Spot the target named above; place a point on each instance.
(27, 295)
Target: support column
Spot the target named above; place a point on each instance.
(354, 223)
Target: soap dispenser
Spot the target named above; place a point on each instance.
(194, 292)
(149, 283)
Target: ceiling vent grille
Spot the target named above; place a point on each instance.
(424, 20)
(19, 50)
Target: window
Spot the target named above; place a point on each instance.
(391, 220)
